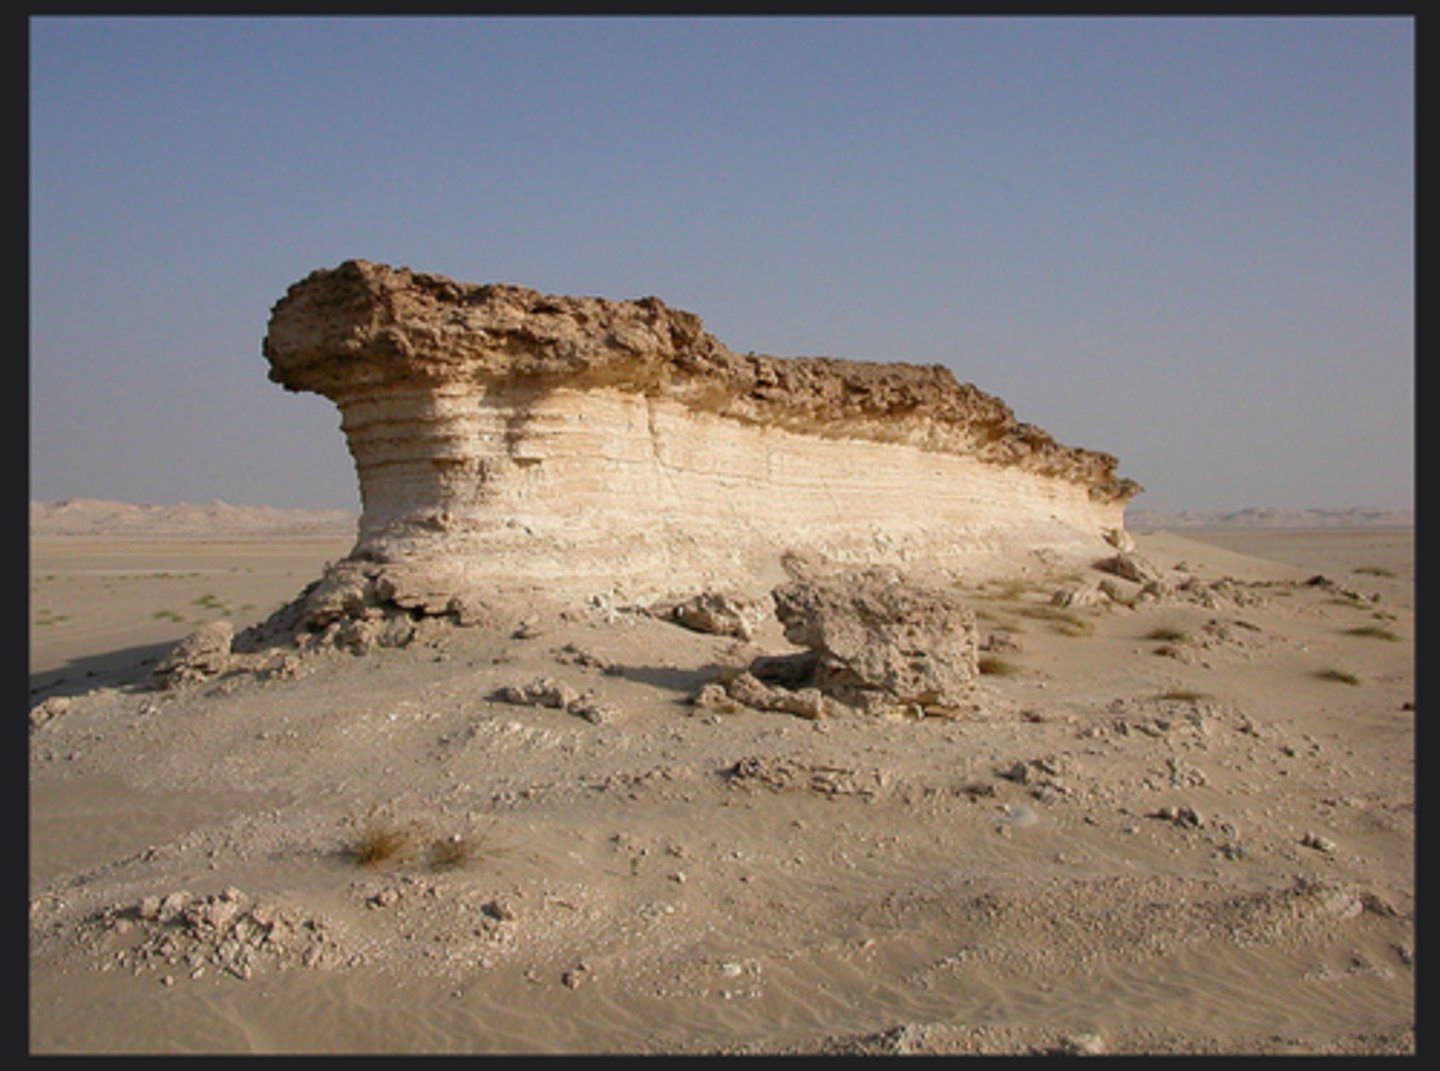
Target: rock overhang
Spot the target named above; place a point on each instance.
(363, 326)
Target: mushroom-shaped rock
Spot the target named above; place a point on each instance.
(505, 437)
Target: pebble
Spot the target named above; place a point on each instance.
(384, 898)
(1187, 817)
(1083, 1045)
(1018, 814)
(500, 910)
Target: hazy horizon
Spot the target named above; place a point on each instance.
(1187, 242)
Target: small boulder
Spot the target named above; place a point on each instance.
(1113, 590)
(1077, 595)
(720, 614)
(748, 690)
(879, 641)
(204, 653)
(1129, 567)
(47, 709)
(1120, 539)
(541, 692)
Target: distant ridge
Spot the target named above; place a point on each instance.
(99, 516)
(103, 517)
(1271, 517)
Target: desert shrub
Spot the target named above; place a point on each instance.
(1339, 676)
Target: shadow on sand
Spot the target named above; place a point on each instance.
(684, 682)
(127, 667)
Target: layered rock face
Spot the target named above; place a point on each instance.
(505, 437)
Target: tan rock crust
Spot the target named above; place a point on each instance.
(362, 325)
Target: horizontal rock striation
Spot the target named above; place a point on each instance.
(503, 437)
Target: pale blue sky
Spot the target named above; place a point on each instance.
(1185, 241)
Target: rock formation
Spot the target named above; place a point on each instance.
(873, 642)
(203, 654)
(878, 640)
(505, 438)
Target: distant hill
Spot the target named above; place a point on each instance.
(97, 517)
(1270, 517)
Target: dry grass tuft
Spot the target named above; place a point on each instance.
(1006, 590)
(1375, 632)
(992, 666)
(451, 853)
(462, 849)
(381, 840)
(1183, 695)
(1061, 621)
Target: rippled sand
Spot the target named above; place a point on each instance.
(1117, 850)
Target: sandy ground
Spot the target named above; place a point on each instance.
(1195, 840)
(100, 604)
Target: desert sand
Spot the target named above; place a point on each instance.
(1184, 825)
(664, 699)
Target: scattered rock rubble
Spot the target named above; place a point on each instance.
(722, 614)
(781, 774)
(556, 694)
(201, 655)
(48, 709)
(229, 931)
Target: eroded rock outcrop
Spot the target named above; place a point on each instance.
(878, 640)
(505, 437)
(872, 642)
(203, 654)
